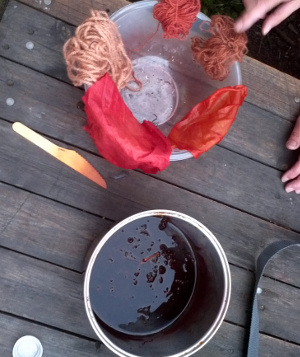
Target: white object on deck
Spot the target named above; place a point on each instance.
(27, 346)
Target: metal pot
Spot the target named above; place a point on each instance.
(206, 308)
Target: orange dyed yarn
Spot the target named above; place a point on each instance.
(176, 16)
(96, 49)
(218, 53)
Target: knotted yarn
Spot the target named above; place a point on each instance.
(218, 53)
(97, 49)
(176, 17)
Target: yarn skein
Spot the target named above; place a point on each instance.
(176, 17)
(218, 53)
(97, 49)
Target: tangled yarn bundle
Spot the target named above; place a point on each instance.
(96, 49)
(218, 53)
(176, 17)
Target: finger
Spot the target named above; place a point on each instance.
(280, 14)
(293, 186)
(249, 4)
(292, 173)
(293, 142)
(254, 13)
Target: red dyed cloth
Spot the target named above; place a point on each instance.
(117, 134)
(208, 122)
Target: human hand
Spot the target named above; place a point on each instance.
(293, 174)
(258, 9)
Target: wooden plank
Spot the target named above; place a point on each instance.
(279, 308)
(278, 303)
(55, 343)
(53, 295)
(271, 89)
(268, 346)
(76, 11)
(268, 88)
(229, 340)
(45, 34)
(261, 136)
(46, 229)
(241, 234)
(232, 179)
(43, 292)
(50, 104)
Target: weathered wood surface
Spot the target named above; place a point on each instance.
(76, 11)
(46, 229)
(50, 215)
(228, 341)
(55, 343)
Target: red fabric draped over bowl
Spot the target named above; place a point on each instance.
(117, 134)
(126, 143)
(208, 122)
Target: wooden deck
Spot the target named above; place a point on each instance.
(50, 215)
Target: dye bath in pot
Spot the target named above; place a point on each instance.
(143, 277)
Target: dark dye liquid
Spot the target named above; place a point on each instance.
(143, 277)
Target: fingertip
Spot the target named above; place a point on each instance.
(284, 179)
(238, 26)
(292, 144)
(265, 30)
(289, 189)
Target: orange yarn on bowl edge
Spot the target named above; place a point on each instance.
(176, 16)
(218, 53)
(97, 49)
